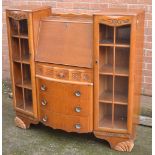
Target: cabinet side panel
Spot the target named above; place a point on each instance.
(138, 67)
(10, 57)
(33, 26)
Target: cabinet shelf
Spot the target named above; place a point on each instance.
(106, 97)
(121, 71)
(115, 45)
(22, 36)
(106, 69)
(120, 98)
(24, 60)
(26, 85)
(114, 52)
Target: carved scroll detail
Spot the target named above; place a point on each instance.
(17, 15)
(125, 146)
(116, 22)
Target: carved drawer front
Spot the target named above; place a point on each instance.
(60, 73)
(64, 73)
(65, 98)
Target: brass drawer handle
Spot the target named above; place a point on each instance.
(45, 119)
(43, 87)
(77, 93)
(78, 109)
(78, 126)
(43, 102)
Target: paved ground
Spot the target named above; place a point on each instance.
(41, 140)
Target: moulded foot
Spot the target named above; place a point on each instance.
(125, 146)
(21, 124)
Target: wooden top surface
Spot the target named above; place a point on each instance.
(70, 18)
(28, 8)
(116, 11)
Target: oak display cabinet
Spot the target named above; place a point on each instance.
(22, 25)
(118, 50)
(92, 81)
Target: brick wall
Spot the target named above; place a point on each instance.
(89, 6)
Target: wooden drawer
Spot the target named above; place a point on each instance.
(65, 98)
(66, 122)
(64, 72)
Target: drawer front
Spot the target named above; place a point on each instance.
(77, 124)
(50, 92)
(68, 99)
(66, 122)
(64, 73)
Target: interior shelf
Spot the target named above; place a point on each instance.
(21, 64)
(120, 117)
(105, 115)
(106, 88)
(106, 69)
(114, 53)
(22, 36)
(106, 60)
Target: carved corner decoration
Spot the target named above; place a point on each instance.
(20, 123)
(126, 146)
(17, 15)
(116, 22)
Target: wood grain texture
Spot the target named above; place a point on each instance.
(70, 102)
(77, 73)
(67, 45)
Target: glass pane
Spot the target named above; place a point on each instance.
(105, 115)
(106, 34)
(123, 34)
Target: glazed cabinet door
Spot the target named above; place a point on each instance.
(20, 60)
(113, 75)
